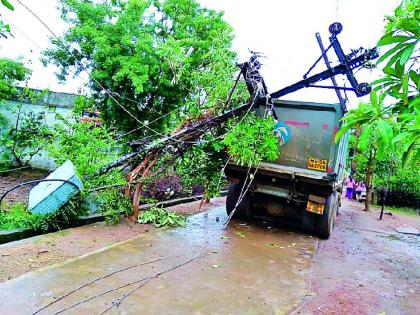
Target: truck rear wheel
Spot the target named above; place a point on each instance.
(325, 223)
(243, 208)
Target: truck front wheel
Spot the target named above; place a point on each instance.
(242, 210)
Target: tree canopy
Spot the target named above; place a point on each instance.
(154, 58)
(11, 72)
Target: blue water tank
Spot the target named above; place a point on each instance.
(48, 197)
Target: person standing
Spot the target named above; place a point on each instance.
(349, 187)
(361, 187)
(355, 185)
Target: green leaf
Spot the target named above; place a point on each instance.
(404, 94)
(373, 98)
(239, 233)
(399, 137)
(390, 38)
(382, 80)
(7, 5)
(364, 139)
(415, 77)
(385, 131)
(390, 52)
(406, 54)
(409, 149)
(342, 131)
(390, 71)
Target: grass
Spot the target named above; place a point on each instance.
(15, 216)
(399, 210)
(403, 210)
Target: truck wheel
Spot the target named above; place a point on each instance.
(308, 221)
(325, 223)
(243, 209)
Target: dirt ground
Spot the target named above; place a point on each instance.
(23, 256)
(11, 179)
(366, 267)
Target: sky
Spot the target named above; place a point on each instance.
(283, 31)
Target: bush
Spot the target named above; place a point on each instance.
(90, 148)
(27, 135)
(113, 203)
(17, 217)
(403, 188)
(201, 166)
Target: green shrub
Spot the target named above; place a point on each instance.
(201, 165)
(63, 218)
(90, 148)
(113, 204)
(17, 217)
(25, 137)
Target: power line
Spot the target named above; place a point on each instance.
(110, 94)
(23, 34)
(37, 17)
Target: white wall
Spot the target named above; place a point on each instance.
(52, 104)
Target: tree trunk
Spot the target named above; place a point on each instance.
(369, 183)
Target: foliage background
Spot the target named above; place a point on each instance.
(159, 60)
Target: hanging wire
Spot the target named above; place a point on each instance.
(23, 34)
(109, 93)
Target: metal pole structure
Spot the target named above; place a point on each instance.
(334, 81)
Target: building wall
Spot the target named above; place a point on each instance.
(53, 103)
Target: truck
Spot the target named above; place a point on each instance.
(304, 184)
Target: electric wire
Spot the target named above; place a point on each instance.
(14, 27)
(109, 93)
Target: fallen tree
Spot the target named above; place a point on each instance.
(171, 65)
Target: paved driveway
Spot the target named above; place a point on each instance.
(201, 269)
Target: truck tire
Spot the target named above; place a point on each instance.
(325, 223)
(243, 209)
(309, 222)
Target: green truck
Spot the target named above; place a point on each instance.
(304, 184)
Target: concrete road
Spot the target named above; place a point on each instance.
(201, 269)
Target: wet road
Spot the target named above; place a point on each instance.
(200, 269)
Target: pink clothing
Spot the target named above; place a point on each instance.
(350, 183)
(361, 187)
